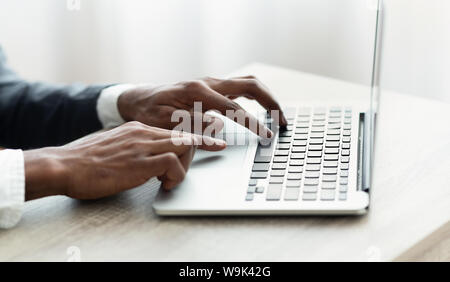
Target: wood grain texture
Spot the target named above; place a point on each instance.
(408, 220)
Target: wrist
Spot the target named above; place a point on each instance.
(45, 174)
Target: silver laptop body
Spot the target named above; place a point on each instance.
(319, 165)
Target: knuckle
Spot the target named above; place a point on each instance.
(171, 158)
(253, 83)
(194, 85)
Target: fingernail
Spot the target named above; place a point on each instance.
(270, 133)
(221, 143)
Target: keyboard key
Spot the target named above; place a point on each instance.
(258, 175)
(301, 137)
(315, 148)
(295, 169)
(310, 189)
(333, 137)
(345, 152)
(346, 139)
(335, 109)
(284, 140)
(327, 195)
(345, 159)
(277, 172)
(331, 157)
(263, 159)
(301, 130)
(345, 145)
(316, 135)
(329, 177)
(251, 189)
(298, 149)
(260, 167)
(329, 170)
(347, 120)
(344, 166)
(294, 176)
(279, 166)
(332, 151)
(302, 125)
(299, 143)
(314, 154)
(293, 183)
(344, 173)
(252, 182)
(313, 167)
(330, 164)
(273, 192)
(315, 129)
(283, 146)
(316, 141)
(296, 162)
(312, 174)
(259, 189)
(303, 111)
(343, 188)
(285, 134)
(249, 197)
(309, 196)
(347, 126)
(281, 153)
(342, 196)
(291, 194)
(333, 132)
(332, 145)
(303, 119)
(295, 156)
(276, 180)
(334, 120)
(343, 181)
(313, 161)
(329, 185)
(280, 159)
(318, 123)
(311, 181)
(334, 126)
(346, 133)
(334, 115)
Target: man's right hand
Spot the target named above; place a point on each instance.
(110, 162)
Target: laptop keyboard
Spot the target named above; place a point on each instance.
(307, 161)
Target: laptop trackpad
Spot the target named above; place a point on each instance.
(212, 176)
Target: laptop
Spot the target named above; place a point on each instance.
(320, 164)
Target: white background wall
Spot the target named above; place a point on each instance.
(160, 41)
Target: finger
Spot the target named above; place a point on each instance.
(205, 124)
(251, 88)
(168, 169)
(215, 101)
(178, 145)
(180, 142)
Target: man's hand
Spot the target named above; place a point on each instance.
(154, 106)
(110, 162)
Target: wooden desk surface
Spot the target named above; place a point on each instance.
(409, 217)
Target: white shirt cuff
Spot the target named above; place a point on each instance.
(107, 109)
(12, 187)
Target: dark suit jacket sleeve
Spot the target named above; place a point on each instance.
(35, 115)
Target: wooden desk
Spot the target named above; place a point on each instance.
(409, 217)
